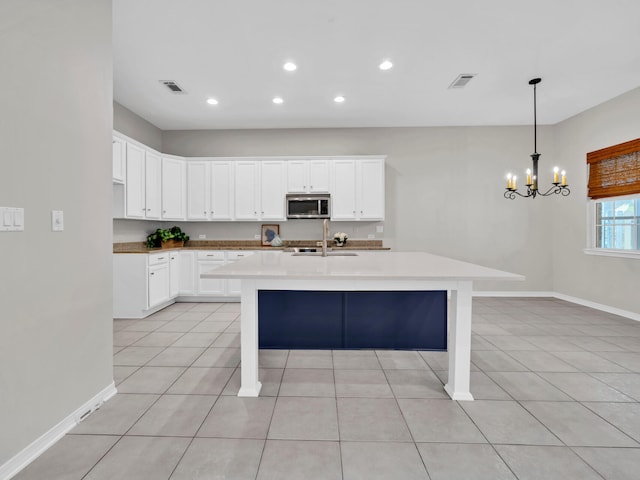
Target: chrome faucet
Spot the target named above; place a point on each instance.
(325, 235)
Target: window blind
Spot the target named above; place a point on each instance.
(614, 171)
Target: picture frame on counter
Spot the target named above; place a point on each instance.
(270, 231)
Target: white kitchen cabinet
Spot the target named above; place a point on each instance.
(210, 190)
(198, 188)
(343, 190)
(370, 189)
(233, 286)
(307, 176)
(141, 284)
(357, 189)
(272, 190)
(119, 154)
(174, 273)
(143, 185)
(187, 273)
(135, 182)
(206, 261)
(221, 190)
(153, 186)
(173, 188)
(247, 190)
(260, 190)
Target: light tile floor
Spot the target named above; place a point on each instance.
(557, 390)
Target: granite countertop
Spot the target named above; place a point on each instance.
(419, 266)
(141, 247)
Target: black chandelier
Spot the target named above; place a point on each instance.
(559, 184)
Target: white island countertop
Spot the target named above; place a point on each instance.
(363, 266)
(366, 271)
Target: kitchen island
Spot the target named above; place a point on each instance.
(364, 272)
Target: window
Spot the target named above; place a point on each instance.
(617, 223)
(614, 187)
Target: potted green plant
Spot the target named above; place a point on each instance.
(167, 238)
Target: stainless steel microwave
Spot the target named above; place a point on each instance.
(300, 205)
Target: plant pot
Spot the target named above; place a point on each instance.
(339, 244)
(172, 243)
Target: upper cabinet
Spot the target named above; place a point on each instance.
(174, 172)
(119, 159)
(307, 176)
(357, 189)
(259, 189)
(209, 190)
(149, 185)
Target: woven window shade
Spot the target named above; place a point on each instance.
(615, 171)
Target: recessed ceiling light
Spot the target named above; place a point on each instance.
(339, 99)
(277, 100)
(386, 65)
(290, 66)
(212, 101)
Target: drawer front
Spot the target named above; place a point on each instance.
(158, 258)
(238, 254)
(211, 255)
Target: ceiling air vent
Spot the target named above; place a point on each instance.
(462, 80)
(173, 86)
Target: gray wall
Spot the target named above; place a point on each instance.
(444, 187)
(134, 126)
(55, 152)
(606, 280)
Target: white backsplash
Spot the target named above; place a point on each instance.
(137, 230)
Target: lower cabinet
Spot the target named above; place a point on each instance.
(144, 283)
(207, 261)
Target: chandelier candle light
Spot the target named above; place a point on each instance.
(559, 184)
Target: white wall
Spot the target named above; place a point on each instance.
(606, 280)
(55, 153)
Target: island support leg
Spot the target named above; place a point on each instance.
(459, 343)
(249, 384)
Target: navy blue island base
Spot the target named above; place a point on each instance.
(400, 320)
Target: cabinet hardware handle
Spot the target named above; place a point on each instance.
(164, 211)
(152, 274)
(160, 258)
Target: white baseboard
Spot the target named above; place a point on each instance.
(514, 294)
(562, 296)
(45, 441)
(599, 306)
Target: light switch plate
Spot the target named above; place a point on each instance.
(379, 228)
(202, 236)
(57, 220)
(11, 219)
(371, 236)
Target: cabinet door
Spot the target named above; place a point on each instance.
(198, 188)
(246, 190)
(210, 286)
(135, 182)
(272, 190)
(174, 274)
(370, 190)
(297, 176)
(318, 176)
(233, 285)
(153, 185)
(221, 191)
(343, 191)
(158, 284)
(119, 155)
(173, 186)
(187, 273)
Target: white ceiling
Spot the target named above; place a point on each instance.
(586, 51)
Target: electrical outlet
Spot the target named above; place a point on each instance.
(202, 236)
(256, 236)
(379, 229)
(371, 236)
